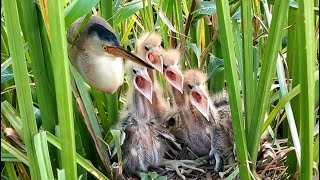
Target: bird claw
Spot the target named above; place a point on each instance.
(217, 160)
(231, 167)
(175, 164)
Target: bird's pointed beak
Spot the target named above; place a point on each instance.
(154, 57)
(143, 84)
(174, 77)
(200, 100)
(119, 51)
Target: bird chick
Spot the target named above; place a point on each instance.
(142, 147)
(148, 48)
(206, 126)
(146, 140)
(96, 53)
(172, 73)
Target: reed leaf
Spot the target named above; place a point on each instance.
(45, 98)
(286, 98)
(284, 91)
(127, 10)
(62, 85)
(80, 160)
(77, 9)
(9, 165)
(305, 36)
(293, 68)
(223, 12)
(266, 75)
(12, 116)
(247, 59)
(6, 157)
(112, 99)
(61, 174)
(43, 157)
(36, 53)
(90, 119)
(22, 83)
(15, 152)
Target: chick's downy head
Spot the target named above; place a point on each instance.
(148, 47)
(195, 88)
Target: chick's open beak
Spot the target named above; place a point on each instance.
(143, 83)
(119, 51)
(154, 57)
(156, 60)
(200, 100)
(174, 77)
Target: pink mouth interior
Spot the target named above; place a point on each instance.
(144, 87)
(197, 96)
(174, 79)
(171, 75)
(156, 60)
(141, 82)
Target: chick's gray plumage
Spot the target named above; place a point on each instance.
(145, 143)
(212, 136)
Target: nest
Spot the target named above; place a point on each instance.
(270, 165)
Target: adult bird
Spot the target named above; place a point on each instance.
(96, 53)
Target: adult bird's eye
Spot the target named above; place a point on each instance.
(105, 47)
(134, 71)
(190, 87)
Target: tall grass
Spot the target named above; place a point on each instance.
(21, 79)
(247, 47)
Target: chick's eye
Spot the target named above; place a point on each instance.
(190, 87)
(146, 48)
(165, 66)
(134, 71)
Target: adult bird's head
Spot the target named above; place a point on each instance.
(102, 40)
(195, 88)
(171, 70)
(148, 47)
(96, 53)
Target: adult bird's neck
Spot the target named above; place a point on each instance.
(105, 73)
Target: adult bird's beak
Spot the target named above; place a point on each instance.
(200, 100)
(143, 83)
(174, 77)
(154, 57)
(119, 51)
